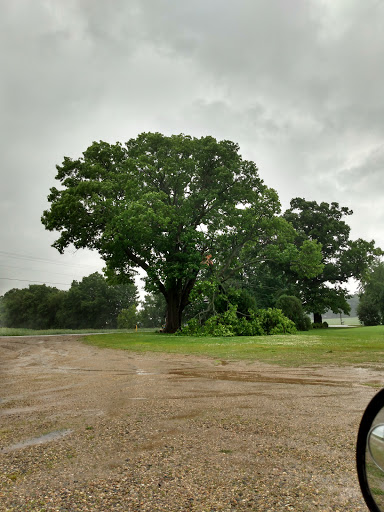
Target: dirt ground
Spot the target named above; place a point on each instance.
(89, 429)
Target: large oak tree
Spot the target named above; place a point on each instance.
(168, 205)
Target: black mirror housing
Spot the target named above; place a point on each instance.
(369, 468)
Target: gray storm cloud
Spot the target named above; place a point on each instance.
(297, 84)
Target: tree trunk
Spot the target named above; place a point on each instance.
(317, 318)
(177, 299)
(174, 312)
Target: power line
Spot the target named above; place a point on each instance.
(43, 260)
(40, 270)
(36, 259)
(28, 281)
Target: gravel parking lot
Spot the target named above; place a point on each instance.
(89, 429)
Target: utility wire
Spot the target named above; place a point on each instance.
(27, 281)
(35, 270)
(24, 257)
(43, 260)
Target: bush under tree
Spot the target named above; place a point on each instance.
(292, 308)
(259, 322)
(368, 311)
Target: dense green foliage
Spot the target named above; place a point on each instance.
(176, 207)
(153, 311)
(342, 258)
(257, 323)
(283, 264)
(371, 307)
(293, 309)
(210, 297)
(21, 331)
(90, 303)
(34, 307)
(194, 216)
(368, 311)
(127, 318)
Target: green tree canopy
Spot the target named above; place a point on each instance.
(127, 318)
(90, 303)
(371, 307)
(368, 311)
(293, 309)
(169, 205)
(34, 307)
(342, 258)
(153, 310)
(93, 303)
(275, 269)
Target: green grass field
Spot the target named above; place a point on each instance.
(339, 346)
(15, 331)
(347, 320)
(333, 346)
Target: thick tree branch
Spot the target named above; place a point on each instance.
(145, 266)
(139, 261)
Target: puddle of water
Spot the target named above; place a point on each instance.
(139, 371)
(51, 436)
(254, 377)
(19, 410)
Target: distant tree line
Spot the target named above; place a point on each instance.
(90, 303)
(152, 313)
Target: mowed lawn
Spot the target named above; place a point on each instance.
(340, 346)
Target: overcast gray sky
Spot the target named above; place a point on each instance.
(297, 83)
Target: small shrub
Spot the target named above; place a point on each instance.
(250, 327)
(191, 328)
(306, 324)
(218, 330)
(273, 321)
(319, 325)
(368, 311)
(292, 308)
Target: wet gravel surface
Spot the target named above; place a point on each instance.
(88, 429)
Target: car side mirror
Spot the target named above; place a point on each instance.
(370, 453)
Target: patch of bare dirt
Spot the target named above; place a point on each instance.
(88, 429)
